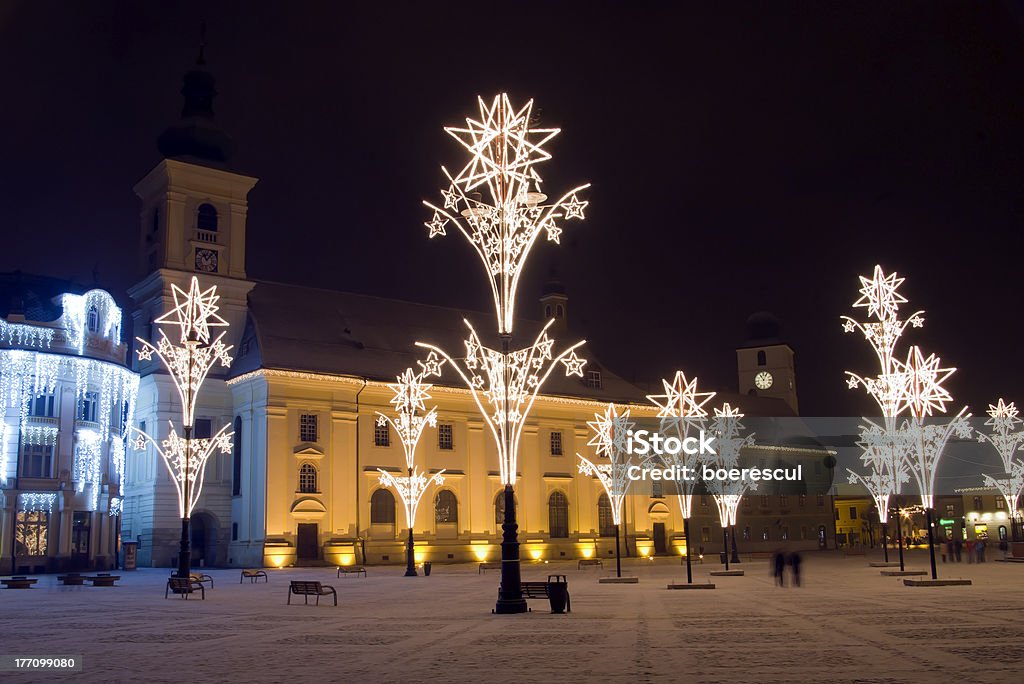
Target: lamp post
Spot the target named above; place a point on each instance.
(412, 417)
(680, 408)
(188, 365)
(496, 203)
(726, 428)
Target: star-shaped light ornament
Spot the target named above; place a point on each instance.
(879, 294)
(574, 208)
(436, 225)
(194, 312)
(922, 376)
(681, 398)
(574, 365)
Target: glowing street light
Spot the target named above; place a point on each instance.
(497, 205)
(726, 429)
(610, 429)
(412, 417)
(188, 363)
(681, 408)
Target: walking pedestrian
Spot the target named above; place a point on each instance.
(1004, 546)
(779, 567)
(970, 550)
(980, 548)
(794, 563)
(957, 548)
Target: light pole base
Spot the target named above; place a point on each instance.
(510, 606)
(411, 573)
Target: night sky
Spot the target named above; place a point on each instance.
(753, 159)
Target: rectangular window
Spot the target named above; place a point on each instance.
(203, 428)
(746, 533)
(556, 443)
(87, 407)
(764, 501)
(30, 533)
(234, 531)
(381, 434)
(821, 499)
(803, 500)
(783, 500)
(43, 406)
(656, 490)
(307, 427)
(853, 512)
(803, 531)
(1000, 502)
(445, 436)
(37, 460)
(594, 379)
(705, 534)
(703, 501)
(950, 508)
(764, 534)
(785, 533)
(837, 514)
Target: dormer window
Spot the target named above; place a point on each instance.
(93, 319)
(594, 379)
(762, 358)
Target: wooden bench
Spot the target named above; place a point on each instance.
(539, 590)
(306, 589)
(103, 579)
(18, 582)
(351, 570)
(184, 586)
(492, 565)
(589, 562)
(72, 579)
(253, 575)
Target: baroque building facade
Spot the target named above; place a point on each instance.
(311, 371)
(66, 395)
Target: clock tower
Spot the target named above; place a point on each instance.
(764, 362)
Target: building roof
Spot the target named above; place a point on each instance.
(35, 297)
(342, 333)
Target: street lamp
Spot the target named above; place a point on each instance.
(502, 226)
(188, 364)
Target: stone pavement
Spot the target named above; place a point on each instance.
(846, 624)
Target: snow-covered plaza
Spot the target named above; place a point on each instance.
(845, 624)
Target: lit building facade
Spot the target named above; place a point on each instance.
(310, 373)
(65, 397)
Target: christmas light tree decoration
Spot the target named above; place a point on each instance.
(502, 224)
(1011, 487)
(1004, 437)
(504, 386)
(610, 430)
(908, 392)
(410, 489)
(188, 364)
(726, 428)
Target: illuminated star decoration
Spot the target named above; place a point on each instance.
(409, 400)
(726, 429)
(881, 453)
(1011, 486)
(496, 202)
(186, 461)
(681, 408)
(610, 429)
(1005, 436)
(505, 405)
(194, 312)
(879, 294)
(189, 363)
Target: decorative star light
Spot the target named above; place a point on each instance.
(502, 224)
(610, 430)
(921, 377)
(185, 460)
(505, 386)
(1011, 486)
(1005, 436)
(882, 453)
(726, 428)
(410, 489)
(411, 395)
(879, 294)
(681, 408)
(194, 312)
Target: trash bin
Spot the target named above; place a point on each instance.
(558, 594)
(426, 569)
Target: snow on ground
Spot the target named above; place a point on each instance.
(846, 624)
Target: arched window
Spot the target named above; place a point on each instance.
(446, 507)
(559, 312)
(382, 508)
(1002, 533)
(206, 217)
(977, 503)
(558, 516)
(236, 459)
(547, 311)
(93, 319)
(307, 478)
(762, 359)
(499, 509)
(605, 521)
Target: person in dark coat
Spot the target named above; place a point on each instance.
(779, 567)
(794, 563)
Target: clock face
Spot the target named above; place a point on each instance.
(206, 260)
(763, 380)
